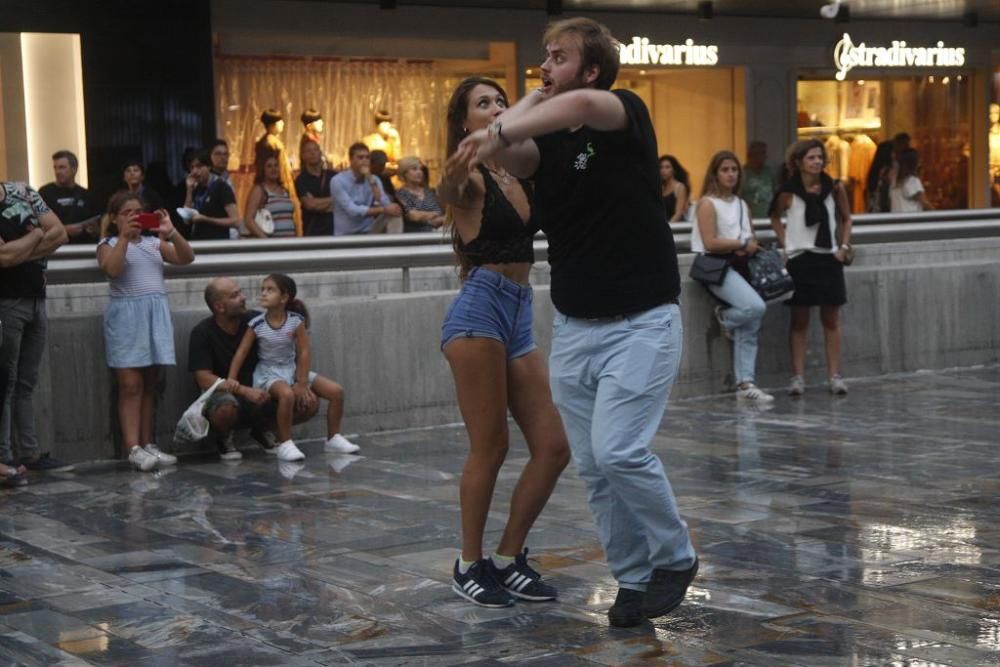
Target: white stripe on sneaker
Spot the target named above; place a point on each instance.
(518, 581)
(472, 588)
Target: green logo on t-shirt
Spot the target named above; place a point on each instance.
(582, 158)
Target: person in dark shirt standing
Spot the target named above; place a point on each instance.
(134, 178)
(71, 202)
(24, 215)
(313, 187)
(617, 335)
(213, 199)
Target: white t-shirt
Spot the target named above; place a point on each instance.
(732, 221)
(903, 197)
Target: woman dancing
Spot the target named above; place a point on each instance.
(486, 338)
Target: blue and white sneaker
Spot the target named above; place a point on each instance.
(479, 586)
(520, 580)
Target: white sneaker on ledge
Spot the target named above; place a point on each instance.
(797, 386)
(142, 460)
(751, 392)
(340, 445)
(287, 451)
(164, 458)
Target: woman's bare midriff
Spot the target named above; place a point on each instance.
(516, 271)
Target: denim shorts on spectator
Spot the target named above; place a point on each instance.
(490, 305)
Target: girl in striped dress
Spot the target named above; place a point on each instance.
(283, 357)
(138, 333)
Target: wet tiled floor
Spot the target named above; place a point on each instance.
(832, 531)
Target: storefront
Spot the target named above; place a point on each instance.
(348, 86)
(881, 91)
(710, 85)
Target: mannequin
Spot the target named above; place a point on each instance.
(274, 124)
(385, 138)
(312, 123)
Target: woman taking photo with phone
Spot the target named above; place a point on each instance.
(138, 333)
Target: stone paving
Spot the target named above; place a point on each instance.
(831, 531)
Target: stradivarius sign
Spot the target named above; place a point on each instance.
(847, 55)
(640, 52)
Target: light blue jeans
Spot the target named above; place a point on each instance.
(742, 317)
(610, 380)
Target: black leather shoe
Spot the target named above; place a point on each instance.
(666, 590)
(627, 609)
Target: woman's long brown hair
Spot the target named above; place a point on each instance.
(458, 108)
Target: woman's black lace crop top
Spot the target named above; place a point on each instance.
(503, 237)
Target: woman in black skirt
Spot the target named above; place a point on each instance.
(810, 203)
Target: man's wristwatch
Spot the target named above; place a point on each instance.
(845, 246)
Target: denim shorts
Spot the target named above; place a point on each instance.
(490, 305)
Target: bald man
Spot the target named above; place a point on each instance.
(237, 403)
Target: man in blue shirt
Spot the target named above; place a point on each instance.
(360, 205)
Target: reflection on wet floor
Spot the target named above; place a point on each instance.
(832, 531)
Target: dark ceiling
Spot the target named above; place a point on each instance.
(939, 10)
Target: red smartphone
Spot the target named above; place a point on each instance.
(148, 220)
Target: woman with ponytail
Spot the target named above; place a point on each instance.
(486, 338)
(283, 358)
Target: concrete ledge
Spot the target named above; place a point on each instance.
(912, 306)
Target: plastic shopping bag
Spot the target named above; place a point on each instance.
(193, 425)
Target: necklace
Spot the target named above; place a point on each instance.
(501, 173)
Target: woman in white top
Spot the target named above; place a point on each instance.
(723, 227)
(810, 203)
(906, 193)
(138, 333)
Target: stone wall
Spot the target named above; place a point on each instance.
(911, 306)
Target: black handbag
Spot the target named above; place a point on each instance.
(768, 275)
(709, 269)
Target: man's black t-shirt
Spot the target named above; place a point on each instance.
(20, 209)
(597, 197)
(71, 205)
(211, 200)
(316, 223)
(212, 349)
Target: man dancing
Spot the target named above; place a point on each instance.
(617, 335)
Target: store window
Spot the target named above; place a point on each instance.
(853, 117)
(994, 142)
(347, 93)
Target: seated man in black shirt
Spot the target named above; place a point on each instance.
(71, 202)
(235, 404)
(313, 187)
(213, 199)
